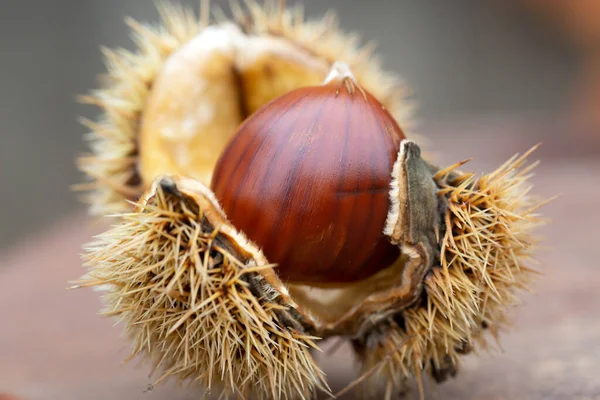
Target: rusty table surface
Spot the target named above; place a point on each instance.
(54, 346)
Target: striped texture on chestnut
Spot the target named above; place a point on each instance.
(307, 179)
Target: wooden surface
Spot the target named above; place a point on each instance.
(54, 346)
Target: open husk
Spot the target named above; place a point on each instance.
(199, 299)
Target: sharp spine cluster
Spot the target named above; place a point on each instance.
(112, 164)
(200, 311)
(485, 255)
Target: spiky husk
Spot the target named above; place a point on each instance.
(200, 301)
(112, 165)
(381, 357)
(486, 257)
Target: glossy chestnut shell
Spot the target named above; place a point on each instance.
(307, 179)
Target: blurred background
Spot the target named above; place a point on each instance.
(492, 77)
(518, 60)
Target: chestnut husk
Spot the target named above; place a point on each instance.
(203, 302)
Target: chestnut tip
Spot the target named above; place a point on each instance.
(339, 71)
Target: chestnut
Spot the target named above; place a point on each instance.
(307, 178)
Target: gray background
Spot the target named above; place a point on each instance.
(463, 58)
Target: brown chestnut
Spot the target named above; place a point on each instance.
(307, 178)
